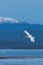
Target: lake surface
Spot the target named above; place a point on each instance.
(21, 52)
(22, 61)
(29, 61)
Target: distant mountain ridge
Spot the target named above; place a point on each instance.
(12, 36)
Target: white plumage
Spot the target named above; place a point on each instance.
(29, 36)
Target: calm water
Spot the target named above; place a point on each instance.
(29, 61)
(21, 61)
(21, 52)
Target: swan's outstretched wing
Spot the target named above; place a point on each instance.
(27, 33)
(29, 36)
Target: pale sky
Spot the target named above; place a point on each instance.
(25, 10)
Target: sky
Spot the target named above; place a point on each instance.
(25, 10)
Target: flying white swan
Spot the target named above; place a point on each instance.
(29, 36)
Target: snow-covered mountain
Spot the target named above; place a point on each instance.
(13, 36)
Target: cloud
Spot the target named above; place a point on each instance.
(8, 20)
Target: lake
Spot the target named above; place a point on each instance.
(28, 61)
(36, 57)
(21, 52)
